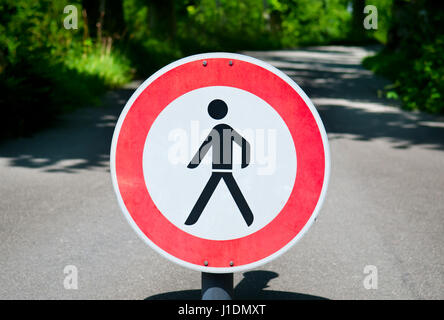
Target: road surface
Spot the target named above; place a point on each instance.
(384, 207)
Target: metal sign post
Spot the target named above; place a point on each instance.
(217, 286)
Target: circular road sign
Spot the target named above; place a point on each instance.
(220, 162)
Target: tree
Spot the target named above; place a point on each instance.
(162, 17)
(104, 18)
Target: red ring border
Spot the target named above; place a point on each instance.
(267, 86)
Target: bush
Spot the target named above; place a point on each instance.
(45, 69)
(112, 68)
(35, 90)
(417, 81)
(422, 86)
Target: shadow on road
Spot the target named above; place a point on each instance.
(342, 90)
(346, 96)
(403, 130)
(80, 140)
(251, 287)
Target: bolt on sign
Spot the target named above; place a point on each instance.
(220, 162)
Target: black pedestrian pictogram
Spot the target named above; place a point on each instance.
(221, 140)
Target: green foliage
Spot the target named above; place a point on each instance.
(226, 25)
(384, 20)
(311, 21)
(113, 70)
(414, 56)
(422, 86)
(387, 64)
(418, 83)
(46, 69)
(253, 24)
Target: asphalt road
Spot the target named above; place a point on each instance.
(384, 206)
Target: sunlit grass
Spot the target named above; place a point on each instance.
(111, 68)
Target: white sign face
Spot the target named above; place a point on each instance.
(220, 162)
(175, 137)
